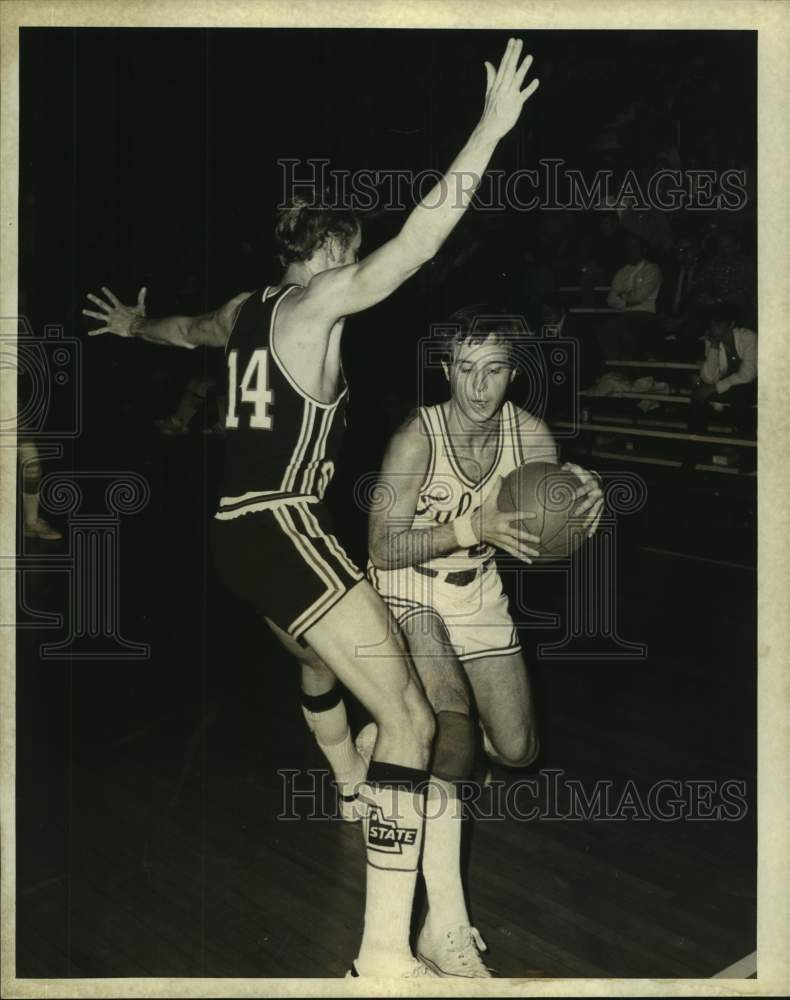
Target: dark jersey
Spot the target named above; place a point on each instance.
(280, 443)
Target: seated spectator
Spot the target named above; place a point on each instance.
(728, 276)
(729, 373)
(635, 286)
(633, 292)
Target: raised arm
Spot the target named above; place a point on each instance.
(345, 290)
(209, 330)
(393, 543)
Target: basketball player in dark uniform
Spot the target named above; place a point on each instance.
(273, 540)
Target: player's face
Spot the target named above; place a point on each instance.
(479, 377)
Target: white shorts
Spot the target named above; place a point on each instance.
(475, 614)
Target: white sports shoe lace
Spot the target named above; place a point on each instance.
(461, 953)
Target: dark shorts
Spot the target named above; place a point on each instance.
(286, 562)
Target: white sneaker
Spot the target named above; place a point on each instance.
(415, 970)
(455, 952)
(43, 530)
(352, 808)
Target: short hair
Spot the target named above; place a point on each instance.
(305, 223)
(475, 324)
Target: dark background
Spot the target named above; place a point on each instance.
(149, 157)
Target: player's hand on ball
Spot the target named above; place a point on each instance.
(504, 96)
(116, 317)
(503, 530)
(591, 495)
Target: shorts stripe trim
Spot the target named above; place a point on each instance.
(263, 502)
(410, 613)
(481, 654)
(313, 554)
(332, 543)
(337, 597)
(324, 572)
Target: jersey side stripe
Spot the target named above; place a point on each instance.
(319, 450)
(425, 416)
(514, 430)
(306, 430)
(316, 432)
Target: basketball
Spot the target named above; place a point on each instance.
(549, 491)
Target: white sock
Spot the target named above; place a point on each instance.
(30, 506)
(441, 858)
(393, 828)
(333, 736)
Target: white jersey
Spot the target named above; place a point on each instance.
(447, 492)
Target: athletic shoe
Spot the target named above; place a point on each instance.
(352, 808)
(454, 953)
(41, 529)
(415, 970)
(217, 428)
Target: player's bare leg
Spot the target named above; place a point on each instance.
(325, 714)
(448, 943)
(504, 700)
(359, 642)
(30, 467)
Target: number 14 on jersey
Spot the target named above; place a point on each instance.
(254, 389)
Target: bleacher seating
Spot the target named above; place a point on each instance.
(618, 427)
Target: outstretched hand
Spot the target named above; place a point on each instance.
(504, 97)
(116, 317)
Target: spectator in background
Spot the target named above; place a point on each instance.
(635, 286)
(193, 398)
(633, 292)
(728, 276)
(678, 318)
(607, 247)
(729, 373)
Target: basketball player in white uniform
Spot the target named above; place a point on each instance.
(434, 529)
(273, 539)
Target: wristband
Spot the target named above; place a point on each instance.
(464, 532)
